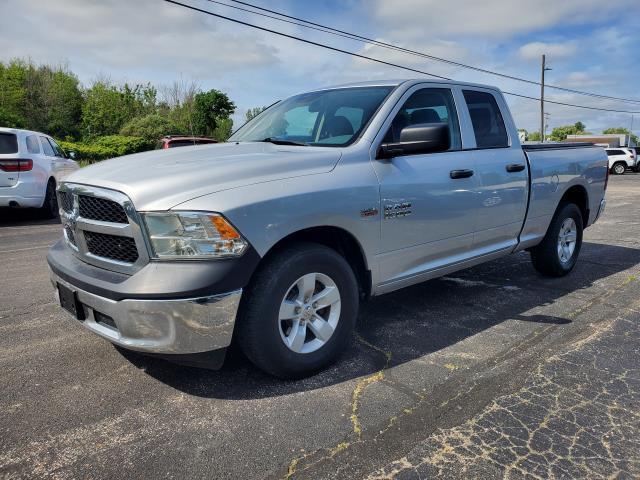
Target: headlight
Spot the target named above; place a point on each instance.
(184, 235)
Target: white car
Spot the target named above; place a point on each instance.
(31, 166)
(620, 159)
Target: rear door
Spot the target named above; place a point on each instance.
(502, 172)
(8, 151)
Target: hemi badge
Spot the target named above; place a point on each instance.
(369, 212)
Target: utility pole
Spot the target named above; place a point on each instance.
(544, 69)
(546, 126)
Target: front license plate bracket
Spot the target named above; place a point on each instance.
(69, 301)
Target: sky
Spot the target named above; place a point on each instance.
(591, 45)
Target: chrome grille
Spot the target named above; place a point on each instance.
(65, 199)
(102, 227)
(121, 249)
(71, 238)
(96, 208)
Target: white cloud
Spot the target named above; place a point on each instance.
(112, 35)
(150, 40)
(494, 18)
(534, 50)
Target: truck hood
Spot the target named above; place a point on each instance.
(161, 179)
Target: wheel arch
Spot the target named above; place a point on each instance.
(578, 195)
(338, 239)
(50, 179)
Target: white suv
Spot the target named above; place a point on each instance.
(31, 165)
(620, 159)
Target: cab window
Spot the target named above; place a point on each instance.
(487, 121)
(428, 105)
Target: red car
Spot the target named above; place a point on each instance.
(171, 141)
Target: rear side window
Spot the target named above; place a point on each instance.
(46, 146)
(488, 124)
(615, 152)
(32, 144)
(8, 143)
(181, 143)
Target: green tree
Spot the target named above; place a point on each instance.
(621, 130)
(534, 137)
(223, 129)
(151, 127)
(210, 108)
(13, 91)
(8, 119)
(63, 103)
(560, 133)
(253, 112)
(40, 97)
(108, 107)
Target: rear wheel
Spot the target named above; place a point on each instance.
(299, 311)
(558, 252)
(619, 168)
(49, 208)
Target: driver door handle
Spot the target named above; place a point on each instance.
(515, 167)
(460, 173)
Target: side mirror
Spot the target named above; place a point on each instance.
(72, 154)
(416, 139)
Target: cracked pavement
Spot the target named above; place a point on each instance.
(490, 372)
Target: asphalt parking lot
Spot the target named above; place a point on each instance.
(488, 372)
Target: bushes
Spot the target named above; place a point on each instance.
(122, 145)
(150, 127)
(106, 147)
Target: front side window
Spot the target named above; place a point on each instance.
(56, 148)
(46, 146)
(332, 118)
(429, 105)
(488, 125)
(32, 144)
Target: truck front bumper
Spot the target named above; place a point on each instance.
(165, 327)
(182, 311)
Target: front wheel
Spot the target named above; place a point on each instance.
(299, 311)
(558, 252)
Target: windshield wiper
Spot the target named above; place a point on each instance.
(281, 141)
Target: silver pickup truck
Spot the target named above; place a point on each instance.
(323, 200)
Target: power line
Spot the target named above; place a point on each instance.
(365, 57)
(361, 38)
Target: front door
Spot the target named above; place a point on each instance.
(429, 201)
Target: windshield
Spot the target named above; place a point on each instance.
(326, 118)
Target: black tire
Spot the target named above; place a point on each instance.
(618, 168)
(258, 327)
(545, 256)
(49, 208)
